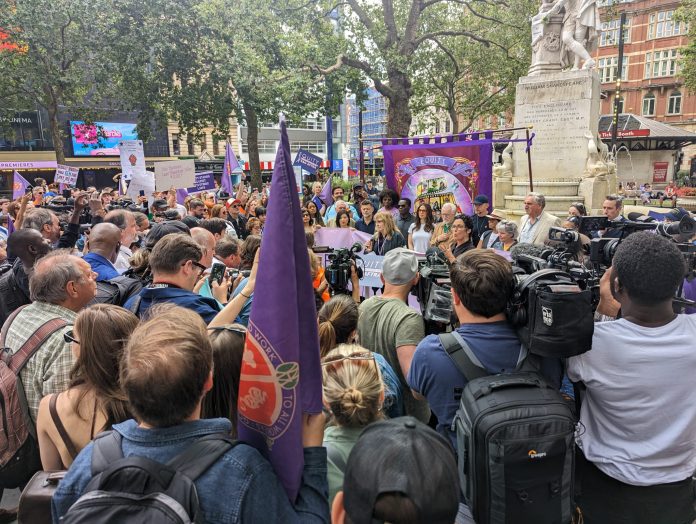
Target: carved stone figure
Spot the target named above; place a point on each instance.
(595, 166)
(506, 168)
(581, 26)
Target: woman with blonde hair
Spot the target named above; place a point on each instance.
(353, 396)
(68, 421)
(387, 236)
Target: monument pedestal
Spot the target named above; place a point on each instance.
(563, 110)
(594, 190)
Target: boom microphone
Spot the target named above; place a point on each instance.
(528, 249)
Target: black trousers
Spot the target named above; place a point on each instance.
(605, 500)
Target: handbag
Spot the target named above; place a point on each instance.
(35, 501)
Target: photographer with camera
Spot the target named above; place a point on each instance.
(46, 222)
(636, 452)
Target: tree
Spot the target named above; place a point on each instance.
(385, 40)
(687, 13)
(468, 81)
(52, 58)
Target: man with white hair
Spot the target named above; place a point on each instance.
(442, 232)
(535, 225)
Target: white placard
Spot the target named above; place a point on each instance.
(142, 182)
(176, 173)
(66, 175)
(132, 158)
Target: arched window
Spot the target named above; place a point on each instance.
(649, 105)
(674, 103)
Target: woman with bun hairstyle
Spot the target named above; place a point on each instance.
(353, 396)
(338, 324)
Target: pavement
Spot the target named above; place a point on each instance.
(10, 499)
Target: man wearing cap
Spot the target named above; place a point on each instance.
(400, 470)
(389, 326)
(489, 237)
(479, 218)
(159, 206)
(234, 217)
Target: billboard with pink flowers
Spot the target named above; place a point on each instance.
(99, 138)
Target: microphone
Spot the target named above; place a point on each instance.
(356, 248)
(527, 249)
(635, 216)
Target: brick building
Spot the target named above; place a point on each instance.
(650, 82)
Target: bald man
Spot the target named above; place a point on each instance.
(103, 246)
(442, 232)
(27, 245)
(206, 241)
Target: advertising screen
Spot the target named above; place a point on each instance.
(99, 138)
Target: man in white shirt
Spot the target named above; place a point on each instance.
(535, 225)
(637, 432)
(125, 220)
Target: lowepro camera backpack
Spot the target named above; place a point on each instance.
(140, 490)
(19, 448)
(515, 443)
(552, 314)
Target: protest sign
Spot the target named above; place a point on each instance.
(66, 175)
(338, 237)
(175, 173)
(307, 161)
(132, 158)
(372, 270)
(142, 182)
(204, 181)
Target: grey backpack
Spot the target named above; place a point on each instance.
(515, 443)
(140, 490)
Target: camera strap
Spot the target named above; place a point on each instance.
(462, 355)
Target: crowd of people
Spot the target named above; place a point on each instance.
(131, 316)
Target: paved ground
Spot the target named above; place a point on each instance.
(10, 499)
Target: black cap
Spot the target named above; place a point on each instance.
(160, 204)
(165, 228)
(403, 456)
(191, 221)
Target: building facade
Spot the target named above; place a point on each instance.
(650, 85)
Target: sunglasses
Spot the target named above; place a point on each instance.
(69, 337)
(335, 359)
(233, 329)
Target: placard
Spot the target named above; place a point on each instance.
(66, 175)
(205, 181)
(307, 161)
(132, 158)
(142, 182)
(176, 173)
(660, 172)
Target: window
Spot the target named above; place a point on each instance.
(649, 105)
(620, 104)
(216, 146)
(660, 64)
(437, 127)
(502, 122)
(313, 147)
(176, 145)
(189, 144)
(310, 123)
(662, 24)
(202, 143)
(610, 32)
(448, 126)
(674, 103)
(608, 67)
(265, 146)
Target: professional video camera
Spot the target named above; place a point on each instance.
(433, 292)
(338, 269)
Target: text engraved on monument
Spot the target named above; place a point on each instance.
(559, 126)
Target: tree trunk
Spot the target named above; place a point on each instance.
(252, 123)
(56, 135)
(399, 112)
(454, 117)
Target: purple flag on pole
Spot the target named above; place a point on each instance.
(181, 195)
(19, 186)
(231, 164)
(10, 226)
(325, 195)
(281, 372)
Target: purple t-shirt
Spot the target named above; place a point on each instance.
(689, 292)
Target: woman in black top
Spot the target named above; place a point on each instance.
(387, 236)
(461, 238)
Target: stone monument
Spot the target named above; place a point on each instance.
(560, 100)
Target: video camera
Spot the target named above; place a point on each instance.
(434, 292)
(338, 270)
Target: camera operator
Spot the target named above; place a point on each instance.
(636, 452)
(482, 285)
(46, 222)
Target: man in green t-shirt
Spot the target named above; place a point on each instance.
(390, 327)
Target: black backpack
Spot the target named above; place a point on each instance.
(552, 315)
(141, 490)
(117, 290)
(515, 443)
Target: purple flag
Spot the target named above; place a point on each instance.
(325, 195)
(10, 226)
(181, 195)
(19, 186)
(281, 373)
(231, 164)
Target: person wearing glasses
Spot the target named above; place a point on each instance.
(353, 395)
(94, 402)
(176, 265)
(442, 231)
(462, 229)
(235, 218)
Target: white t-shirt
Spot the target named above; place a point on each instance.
(421, 238)
(638, 418)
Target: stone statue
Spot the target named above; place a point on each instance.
(581, 26)
(504, 169)
(595, 166)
